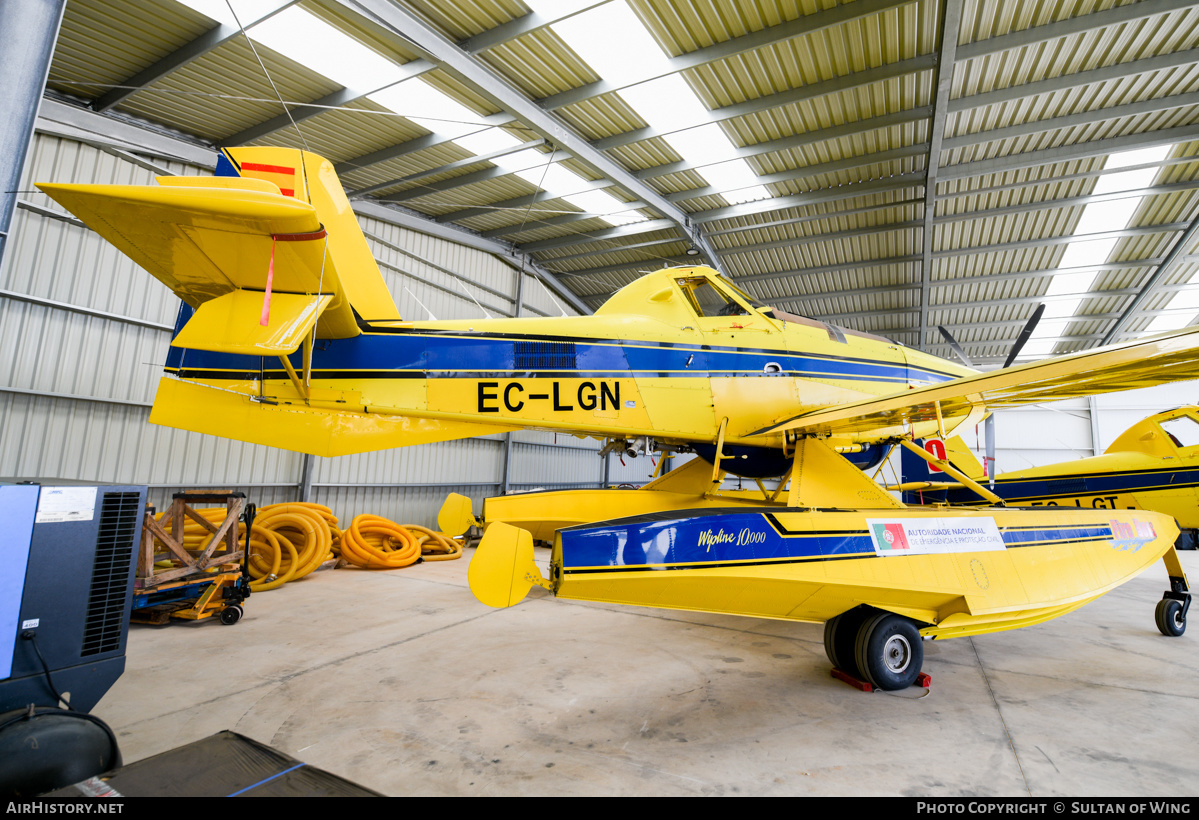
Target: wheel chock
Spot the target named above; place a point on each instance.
(844, 676)
(922, 680)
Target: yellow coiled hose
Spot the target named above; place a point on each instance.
(291, 540)
(373, 542)
(288, 541)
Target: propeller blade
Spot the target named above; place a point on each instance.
(953, 344)
(1024, 334)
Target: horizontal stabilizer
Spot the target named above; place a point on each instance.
(230, 323)
(215, 235)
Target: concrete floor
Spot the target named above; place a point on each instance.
(404, 683)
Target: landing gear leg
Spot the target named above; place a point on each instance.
(1172, 609)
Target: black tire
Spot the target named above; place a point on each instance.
(1170, 619)
(889, 651)
(840, 637)
(231, 615)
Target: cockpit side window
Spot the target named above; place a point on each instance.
(707, 300)
(1182, 431)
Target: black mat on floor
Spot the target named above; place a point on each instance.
(224, 765)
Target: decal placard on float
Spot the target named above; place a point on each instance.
(933, 536)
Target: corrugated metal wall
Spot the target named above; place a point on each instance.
(86, 332)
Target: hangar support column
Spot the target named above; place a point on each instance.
(31, 29)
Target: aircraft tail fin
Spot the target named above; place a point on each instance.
(309, 178)
(502, 571)
(954, 450)
(961, 457)
(263, 251)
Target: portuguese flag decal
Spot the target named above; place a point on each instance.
(890, 537)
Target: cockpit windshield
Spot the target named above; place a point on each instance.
(707, 300)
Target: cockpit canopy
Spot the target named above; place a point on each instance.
(678, 296)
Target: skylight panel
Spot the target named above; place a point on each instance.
(1097, 217)
(314, 43)
(492, 139)
(1184, 299)
(618, 47)
(554, 178)
(247, 10)
(1060, 308)
(1170, 321)
(420, 102)
(669, 104)
(603, 204)
(560, 8)
(613, 41)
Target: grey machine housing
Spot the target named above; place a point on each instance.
(68, 552)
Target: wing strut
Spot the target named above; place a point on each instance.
(945, 466)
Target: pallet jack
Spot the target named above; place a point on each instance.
(207, 585)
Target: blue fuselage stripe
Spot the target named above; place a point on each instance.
(747, 538)
(390, 355)
(1080, 486)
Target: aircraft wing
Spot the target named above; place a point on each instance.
(1143, 363)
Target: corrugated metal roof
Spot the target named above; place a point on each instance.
(833, 113)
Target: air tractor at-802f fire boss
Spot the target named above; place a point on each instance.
(288, 337)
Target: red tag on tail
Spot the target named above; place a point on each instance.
(270, 278)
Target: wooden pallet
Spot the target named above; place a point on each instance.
(195, 562)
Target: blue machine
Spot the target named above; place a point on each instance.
(68, 553)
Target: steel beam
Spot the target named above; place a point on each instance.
(806, 171)
(467, 68)
(71, 122)
(667, 261)
(837, 85)
(632, 246)
(519, 27)
(1074, 25)
(299, 112)
(792, 242)
(481, 175)
(1049, 85)
(31, 28)
(1173, 257)
(799, 27)
(1144, 230)
(951, 23)
(615, 232)
(847, 130)
(874, 186)
(1068, 153)
(1076, 120)
(501, 250)
(206, 42)
(472, 45)
(534, 223)
(538, 196)
(1038, 34)
(445, 169)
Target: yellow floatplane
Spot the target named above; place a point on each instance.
(288, 337)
